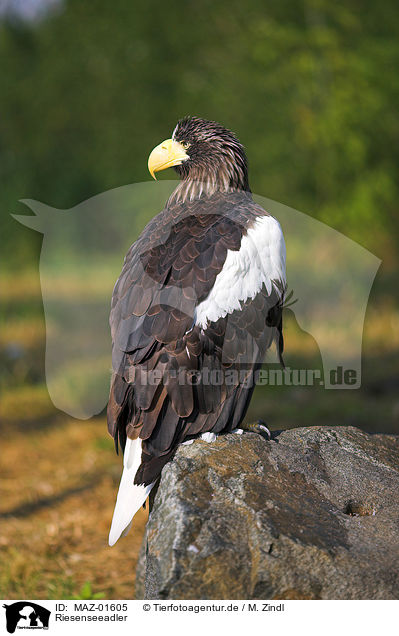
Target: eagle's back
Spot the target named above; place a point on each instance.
(196, 307)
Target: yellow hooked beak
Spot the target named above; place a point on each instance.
(169, 153)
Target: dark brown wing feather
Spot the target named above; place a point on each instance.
(173, 380)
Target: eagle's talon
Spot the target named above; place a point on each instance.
(258, 427)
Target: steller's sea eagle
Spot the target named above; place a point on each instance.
(197, 305)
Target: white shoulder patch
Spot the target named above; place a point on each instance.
(260, 260)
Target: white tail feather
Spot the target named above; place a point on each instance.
(130, 496)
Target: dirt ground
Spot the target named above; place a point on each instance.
(56, 505)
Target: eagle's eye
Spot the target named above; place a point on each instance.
(185, 144)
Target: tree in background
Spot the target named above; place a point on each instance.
(309, 86)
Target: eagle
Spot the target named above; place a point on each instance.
(197, 305)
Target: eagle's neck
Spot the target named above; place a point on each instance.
(204, 183)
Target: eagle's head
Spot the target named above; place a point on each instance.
(207, 157)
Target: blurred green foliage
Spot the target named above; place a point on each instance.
(309, 86)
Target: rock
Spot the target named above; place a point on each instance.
(311, 514)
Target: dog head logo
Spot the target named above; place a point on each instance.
(26, 615)
(330, 275)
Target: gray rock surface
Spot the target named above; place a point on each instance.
(311, 514)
